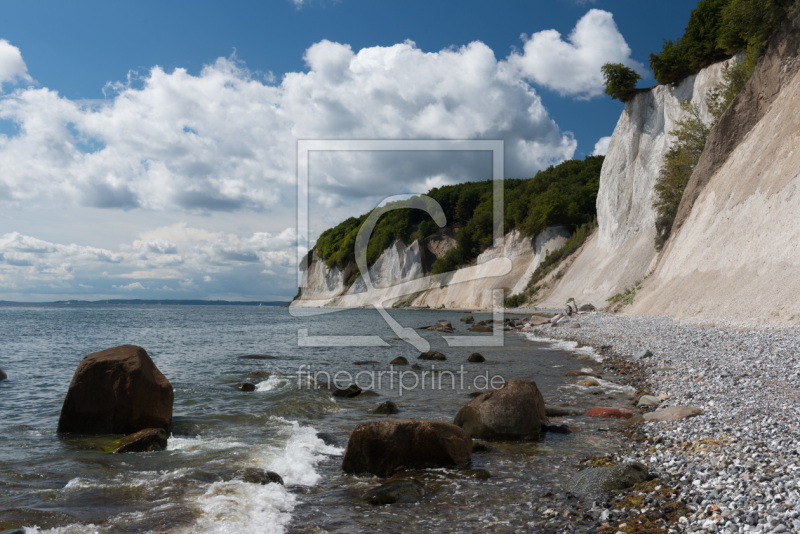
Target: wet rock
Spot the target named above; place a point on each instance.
(13, 530)
(432, 355)
(329, 439)
(245, 386)
(479, 446)
(560, 428)
(476, 357)
(365, 362)
(477, 327)
(613, 413)
(648, 401)
(582, 372)
(672, 413)
(254, 475)
(258, 357)
(641, 355)
(480, 474)
(468, 319)
(562, 411)
(588, 382)
(117, 391)
(3, 375)
(441, 326)
(384, 446)
(395, 491)
(606, 479)
(349, 392)
(147, 440)
(386, 408)
(512, 412)
(400, 360)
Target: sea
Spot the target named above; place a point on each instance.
(63, 483)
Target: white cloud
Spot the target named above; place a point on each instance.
(572, 67)
(130, 287)
(601, 146)
(12, 66)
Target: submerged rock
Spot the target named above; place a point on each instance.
(349, 392)
(400, 360)
(441, 326)
(258, 357)
(254, 475)
(512, 412)
(432, 355)
(3, 375)
(478, 327)
(260, 374)
(117, 391)
(562, 411)
(587, 382)
(386, 408)
(382, 447)
(245, 386)
(394, 491)
(582, 372)
(476, 357)
(147, 440)
(468, 319)
(606, 479)
(613, 413)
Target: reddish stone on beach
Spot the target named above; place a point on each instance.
(616, 413)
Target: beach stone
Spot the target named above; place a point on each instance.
(468, 319)
(147, 440)
(478, 327)
(253, 475)
(386, 408)
(514, 411)
(349, 392)
(606, 479)
(642, 355)
(476, 357)
(537, 320)
(395, 491)
(400, 360)
(441, 326)
(384, 446)
(3, 375)
(648, 400)
(556, 318)
(672, 413)
(582, 372)
(245, 386)
(432, 355)
(588, 382)
(562, 411)
(615, 413)
(117, 391)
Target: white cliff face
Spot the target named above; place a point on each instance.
(398, 275)
(622, 250)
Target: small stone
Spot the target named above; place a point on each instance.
(588, 382)
(386, 408)
(432, 355)
(476, 357)
(672, 413)
(642, 355)
(648, 401)
(400, 360)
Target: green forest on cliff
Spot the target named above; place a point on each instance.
(563, 194)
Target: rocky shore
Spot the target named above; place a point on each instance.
(733, 469)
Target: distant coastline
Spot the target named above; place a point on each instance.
(142, 302)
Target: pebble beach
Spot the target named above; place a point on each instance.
(733, 469)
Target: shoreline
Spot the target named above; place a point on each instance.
(728, 470)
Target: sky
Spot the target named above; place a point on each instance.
(149, 149)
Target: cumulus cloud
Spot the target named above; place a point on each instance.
(601, 146)
(12, 66)
(571, 67)
(225, 140)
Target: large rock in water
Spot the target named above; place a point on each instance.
(3, 375)
(512, 412)
(382, 447)
(117, 391)
(147, 440)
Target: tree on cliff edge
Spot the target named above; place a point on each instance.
(620, 81)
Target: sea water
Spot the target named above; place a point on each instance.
(66, 484)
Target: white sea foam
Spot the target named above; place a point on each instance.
(199, 444)
(275, 382)
(571, 346)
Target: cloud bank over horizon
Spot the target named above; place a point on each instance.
(223, 141)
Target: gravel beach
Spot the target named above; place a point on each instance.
(732, 469)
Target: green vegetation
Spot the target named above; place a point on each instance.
(551, 261)
(620, 81)
(563, 194)
(625, 298)
(719, 29)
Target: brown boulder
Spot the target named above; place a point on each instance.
(512, 412)
(477, 327)
(382, 447)
(117, 391)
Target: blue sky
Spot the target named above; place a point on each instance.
(146, 149)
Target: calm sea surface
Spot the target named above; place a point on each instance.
(64, 484)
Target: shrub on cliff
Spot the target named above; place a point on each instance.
(620, 81)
